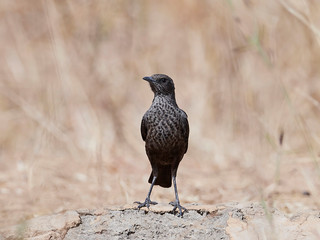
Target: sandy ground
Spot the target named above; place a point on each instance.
(225, 221)
(197, 183)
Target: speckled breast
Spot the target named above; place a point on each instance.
(164, 129)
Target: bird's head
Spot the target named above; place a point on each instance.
(161, 84)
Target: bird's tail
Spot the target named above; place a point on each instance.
(164, 177)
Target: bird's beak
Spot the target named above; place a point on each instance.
(148, 79)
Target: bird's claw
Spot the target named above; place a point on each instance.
(146, 203)
(176, 205)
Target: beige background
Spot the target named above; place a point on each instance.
(72, 98)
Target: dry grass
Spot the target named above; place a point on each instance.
(71, 101)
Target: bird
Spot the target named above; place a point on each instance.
(165, 130)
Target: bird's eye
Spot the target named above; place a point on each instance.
(163, 80)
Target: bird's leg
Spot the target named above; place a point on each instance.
(176, 204)
(147, 202)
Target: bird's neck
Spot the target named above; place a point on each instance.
(168, 98)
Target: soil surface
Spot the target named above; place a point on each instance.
(225, 221)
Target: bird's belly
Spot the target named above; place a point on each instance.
(165, 143)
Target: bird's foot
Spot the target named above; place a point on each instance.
(146, 203)
(176, 204)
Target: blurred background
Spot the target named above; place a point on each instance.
(72, 98)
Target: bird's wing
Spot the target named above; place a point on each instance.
(143, 129)
(185, 127)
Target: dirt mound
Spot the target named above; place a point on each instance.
(226, 221)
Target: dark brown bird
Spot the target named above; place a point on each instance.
(165, 130)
